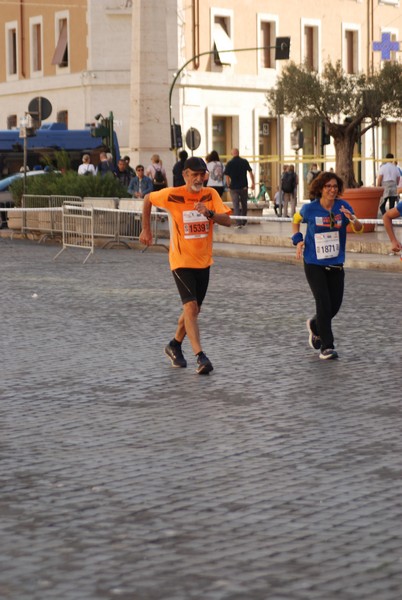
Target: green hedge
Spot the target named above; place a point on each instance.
(69, 184)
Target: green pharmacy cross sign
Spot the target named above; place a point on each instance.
(386, 46)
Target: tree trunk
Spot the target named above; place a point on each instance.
(344, 141)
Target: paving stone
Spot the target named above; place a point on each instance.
(276, 477)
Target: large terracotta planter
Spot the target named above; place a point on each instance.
(365, 202)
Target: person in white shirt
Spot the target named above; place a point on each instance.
(156, 172)
(86, 168)
(388, 178)
(215, 173)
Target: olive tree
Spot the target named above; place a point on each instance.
(348, 105)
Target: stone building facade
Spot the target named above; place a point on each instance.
(198, 64)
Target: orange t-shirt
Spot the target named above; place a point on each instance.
(190, 232)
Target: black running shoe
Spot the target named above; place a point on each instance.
(328, 354)
(176, 356)
(204, 365)
(313, 340)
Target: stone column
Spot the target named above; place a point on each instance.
(153, 33)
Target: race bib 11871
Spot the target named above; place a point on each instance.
(327, 244)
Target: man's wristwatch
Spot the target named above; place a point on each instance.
(211, 214)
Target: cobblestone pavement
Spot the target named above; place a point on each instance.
(277, 477)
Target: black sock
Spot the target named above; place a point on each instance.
(175, 342)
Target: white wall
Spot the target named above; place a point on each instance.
(154, 37)
(102, 87)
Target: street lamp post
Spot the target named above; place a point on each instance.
(282, 49)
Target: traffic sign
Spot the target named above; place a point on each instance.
(193, 138)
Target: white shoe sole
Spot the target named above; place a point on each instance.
(310, 335)
(204, 369)
(329, 356)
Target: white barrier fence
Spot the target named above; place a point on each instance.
(79, 222)
(77, 228)
(122, 225)
(47, 223)
(275, 219)
(102, 232)
(129, 229)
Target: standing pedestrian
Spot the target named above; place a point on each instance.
(215, 172)
(104, 165)
(393, 213)
(86, 168)
(289, 186)
(312, 173)
(193, 210)
(140, 185)
(178, 169)
(324, 254)
(388, 178)
(156, 172)
(129, 167)
(284, 170)
(122, 173)
(236, 179)
(278, 202)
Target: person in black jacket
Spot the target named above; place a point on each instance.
(105, 165)
(122, 173)
(236, 179)
(178, 179)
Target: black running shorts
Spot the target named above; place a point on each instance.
(192, 284)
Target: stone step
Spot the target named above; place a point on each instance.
(369, 243)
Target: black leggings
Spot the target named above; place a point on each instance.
(327, 285)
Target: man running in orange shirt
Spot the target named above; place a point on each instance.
(193, 209)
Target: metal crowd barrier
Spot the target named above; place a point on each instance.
(77, 227)
(35, 220)
(47, 223)
(105, 217)
(130, 221)
(121, 225)
(118, 221)
(83, 222)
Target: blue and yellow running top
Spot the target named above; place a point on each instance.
(325, 239)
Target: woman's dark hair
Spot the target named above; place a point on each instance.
(318, 183)
(212, 156)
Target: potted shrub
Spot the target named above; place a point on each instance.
(348, 106)
(58, 184)
(69, 184)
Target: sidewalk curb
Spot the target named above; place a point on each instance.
(391, 264)
(269, 247)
